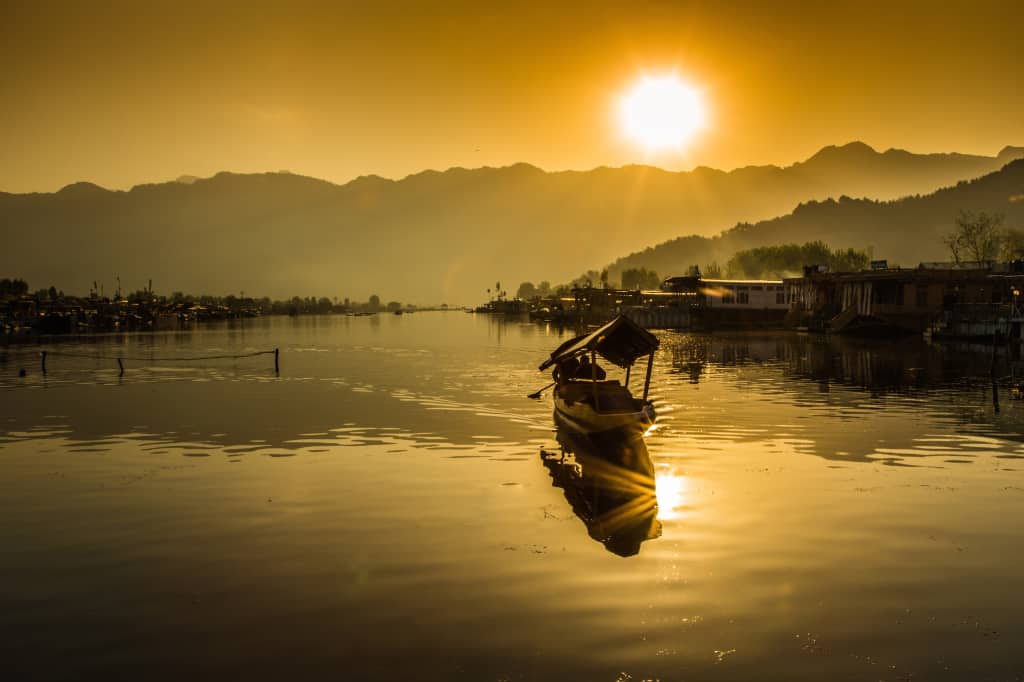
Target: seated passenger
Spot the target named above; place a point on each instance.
(565, 370)
(588, 371)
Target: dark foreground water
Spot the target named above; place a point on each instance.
(382, 511)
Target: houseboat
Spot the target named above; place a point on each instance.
(933, 297)
(732, 303)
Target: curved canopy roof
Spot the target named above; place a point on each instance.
(620, 342)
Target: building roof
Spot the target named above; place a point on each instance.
(922, 275)
(741, 281)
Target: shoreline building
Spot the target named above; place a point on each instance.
(939, 299)
(732, 303)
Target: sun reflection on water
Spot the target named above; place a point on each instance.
(671, 492)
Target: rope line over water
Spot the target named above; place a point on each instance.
(121, 358)
(98, 356)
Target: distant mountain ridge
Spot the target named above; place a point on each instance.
(430, 237)
(904, 231)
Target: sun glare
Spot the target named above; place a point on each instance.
(671, 492)
(662, 112)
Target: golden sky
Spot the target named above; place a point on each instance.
(132, 92)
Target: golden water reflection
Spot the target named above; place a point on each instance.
(805, 508)
(672, 489)
(609, 481)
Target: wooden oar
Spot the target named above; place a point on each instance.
(536, 396)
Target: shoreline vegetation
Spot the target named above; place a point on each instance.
(51, 311)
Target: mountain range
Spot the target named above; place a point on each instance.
(903, 232)
(448, 236)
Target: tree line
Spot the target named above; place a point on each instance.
(787, 260)
(296, 305)
(632, 278)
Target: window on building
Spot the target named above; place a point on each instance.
(922, 295)
(780, 297)
(887, 293)
(729, 296)
(743, 297)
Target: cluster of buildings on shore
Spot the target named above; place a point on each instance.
(65, 315)
(966, 300)
(59, 314)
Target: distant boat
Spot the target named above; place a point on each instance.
(584, 400)
(398, 312)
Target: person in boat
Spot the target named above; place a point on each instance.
(565, 370)
(588, 370)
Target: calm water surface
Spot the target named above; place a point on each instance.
(382, 510)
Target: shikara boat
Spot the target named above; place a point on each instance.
(590, 403)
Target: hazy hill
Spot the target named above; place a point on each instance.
(430, 237)
(904, 231)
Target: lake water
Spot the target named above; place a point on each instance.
(382, 511)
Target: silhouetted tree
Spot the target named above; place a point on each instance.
(640, 278)
(774, 262)
(713, 270)
(977, 237)
(586, 280)
(526, 290)
(13, 287)
(1013, 245)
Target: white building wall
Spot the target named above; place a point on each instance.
(746, 294)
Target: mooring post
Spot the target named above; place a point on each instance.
(43, 354)
(121, 365)
(277, 364)
(647, 381)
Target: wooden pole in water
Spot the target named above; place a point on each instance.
(43, 353)
(628, 367)
(593, 377)
(647, 381)
(277, 365)
(121, 365)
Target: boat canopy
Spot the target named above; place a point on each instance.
(620, 342)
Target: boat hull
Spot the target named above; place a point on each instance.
(584, 418)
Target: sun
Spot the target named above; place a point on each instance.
(662, 112)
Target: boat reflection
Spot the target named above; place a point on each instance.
(608, 480)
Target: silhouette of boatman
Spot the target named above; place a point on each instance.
(565, 370)
(589, 371)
